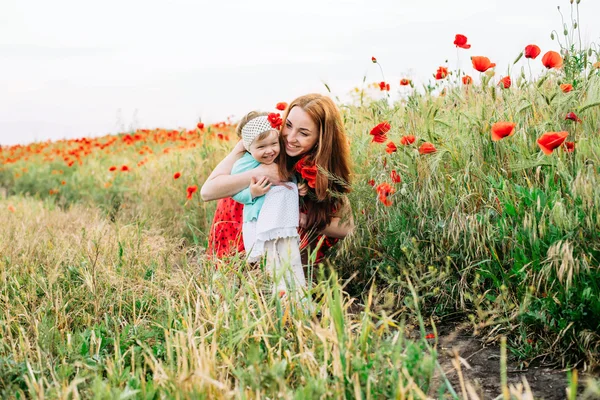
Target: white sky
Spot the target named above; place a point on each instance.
(73, 68)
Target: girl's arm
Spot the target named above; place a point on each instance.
(220, 183)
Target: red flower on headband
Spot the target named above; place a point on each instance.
(502, 129)
(461, 41)
(407, 140)
(441, 73)
(275, 120)
(551, 140)
(281, 106)
(191, 190)
(505, 82)
(391, 148)
(467, 80)
(566, 87)
(380, 131)
(482, 64)
(532, 51)
(404, 82)
(307, 171)
(552, 60)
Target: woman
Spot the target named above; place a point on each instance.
(313, 133)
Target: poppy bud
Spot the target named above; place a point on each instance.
(575, 25)
(552, 35)
(565, 32)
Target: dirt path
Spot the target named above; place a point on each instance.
(483, 372)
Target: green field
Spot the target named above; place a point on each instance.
(106, 291)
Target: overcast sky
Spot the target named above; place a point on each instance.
(73, 68)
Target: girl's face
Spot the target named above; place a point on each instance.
(299, 132)
(265, 151)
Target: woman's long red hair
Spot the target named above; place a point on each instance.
(331, 153)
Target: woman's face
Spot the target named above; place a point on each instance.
(300, 133)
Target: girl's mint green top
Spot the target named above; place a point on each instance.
(251, 206)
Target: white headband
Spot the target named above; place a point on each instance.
(255, 127)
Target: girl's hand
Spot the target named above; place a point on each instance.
(302, 189)
(260, 187)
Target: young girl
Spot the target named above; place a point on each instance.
(270, 217)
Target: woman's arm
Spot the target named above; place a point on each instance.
(220, 183)
(339, 228)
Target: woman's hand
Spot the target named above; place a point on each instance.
(302, 189)
(302, 220)
(270, 171)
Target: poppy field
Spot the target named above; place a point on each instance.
(476, 200)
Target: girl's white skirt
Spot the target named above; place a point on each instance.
(278, 218)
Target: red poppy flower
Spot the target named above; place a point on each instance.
(275, 120)
(461, 41)
(572, 116)
(176, 175)
(404, 82)
(441, 73)
(307, 171)
(502, 129)
(407, 139)
(11, 208)
(569, 147)
(532, 51)
(191, 190)
(113, 168)
(505, 82)
(124, 168)
(566, 87)
(200, 125)
(63, 182)
(430, 336)
(551, 140)
(384, 190)
(427, 148)
(482, 64)
(467, 80)
(391, 148)
(552, 60)
(371, 182)
(384, 86)
(374, 60)
(379, 132)
(281, 106)
(395, 176)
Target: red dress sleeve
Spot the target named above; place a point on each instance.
(225, 237)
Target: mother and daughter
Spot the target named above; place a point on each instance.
(259, 209)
